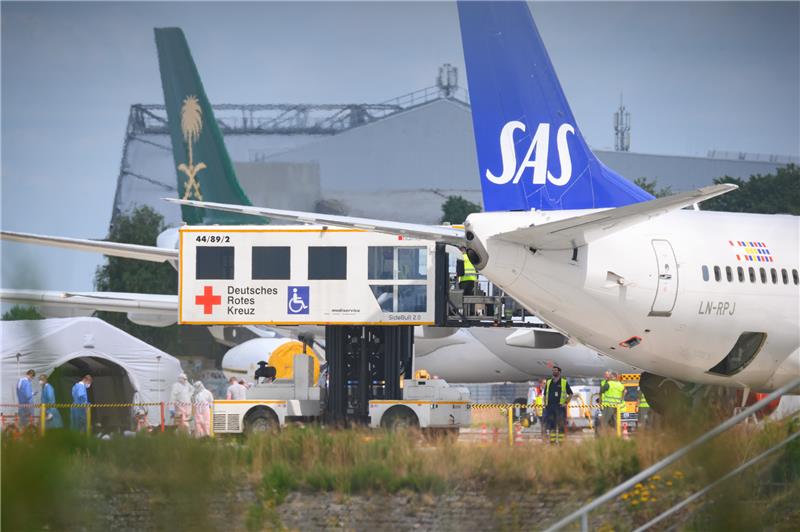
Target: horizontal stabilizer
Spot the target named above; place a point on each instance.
(580, 230)
(112, 249)
(446, 234)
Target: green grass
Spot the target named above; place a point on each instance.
(68, 481)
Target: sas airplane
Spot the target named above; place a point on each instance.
(708, 298)
(205, 172)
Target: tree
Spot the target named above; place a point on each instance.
(18, 312)
(777, 193)
(650, 186)
(141, 226)
(456, 209)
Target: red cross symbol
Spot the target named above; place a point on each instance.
(208, 300)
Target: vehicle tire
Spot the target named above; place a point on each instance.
(261, 421)
(399, 418)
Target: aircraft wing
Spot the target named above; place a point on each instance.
(450, 235)
(114, 249)
(574, 232)
(144, 309)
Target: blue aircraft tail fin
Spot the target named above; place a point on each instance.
(531, 153)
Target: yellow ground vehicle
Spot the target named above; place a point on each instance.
(630, 401)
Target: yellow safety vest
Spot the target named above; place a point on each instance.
(643, 400)
(563, 399)
(614, 394)
(470, 273)
(603, 394)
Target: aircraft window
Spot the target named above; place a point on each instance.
(795, 277)
(327, 262)
(785, 276)
(744, 351)
(705, 272)
(740, 273)
(380, 262)
(271, 262)
(763, 275)
(214, 262)
(752, 273)
(729, 274)
(774, 275)
(412, 298)
(412, 263)
(717, 273)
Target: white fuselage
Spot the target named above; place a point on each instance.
(647, 281)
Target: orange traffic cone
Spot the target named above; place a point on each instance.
(484, 434)
(518, 434)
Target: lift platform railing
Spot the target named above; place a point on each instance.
(583, 513)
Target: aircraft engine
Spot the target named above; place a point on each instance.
(242, 360)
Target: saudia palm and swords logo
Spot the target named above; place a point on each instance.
(192, 126)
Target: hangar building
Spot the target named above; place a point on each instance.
(397, 160)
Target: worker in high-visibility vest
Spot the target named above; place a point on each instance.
(600, 415)
(644, 409)
(466, 282)
(557, 395)
(612, 400)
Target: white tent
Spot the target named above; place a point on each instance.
(124, 368)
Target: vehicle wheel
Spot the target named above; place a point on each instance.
(400, 419)
(261, 421)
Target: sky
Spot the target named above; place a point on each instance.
(695, 77)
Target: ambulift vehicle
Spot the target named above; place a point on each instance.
(426, 404)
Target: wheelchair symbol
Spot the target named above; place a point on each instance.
(298, 301)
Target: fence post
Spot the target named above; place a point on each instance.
(42, 413)
(162, 416)
(510, 426)
(88, 420)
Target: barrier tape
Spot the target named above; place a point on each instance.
(88, 405)
(477, 406)
(503, 406)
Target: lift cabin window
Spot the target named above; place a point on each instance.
(402, 272)
(327, 263)
(214, 262)
(412, 263)
(744, 351)
(380, 262)
(271, 262)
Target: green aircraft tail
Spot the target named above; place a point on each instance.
(203, 166)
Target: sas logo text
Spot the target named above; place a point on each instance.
(536, 157)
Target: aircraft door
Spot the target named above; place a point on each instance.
(667, 290)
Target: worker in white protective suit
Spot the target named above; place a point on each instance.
(203, 401)
(181, 403)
